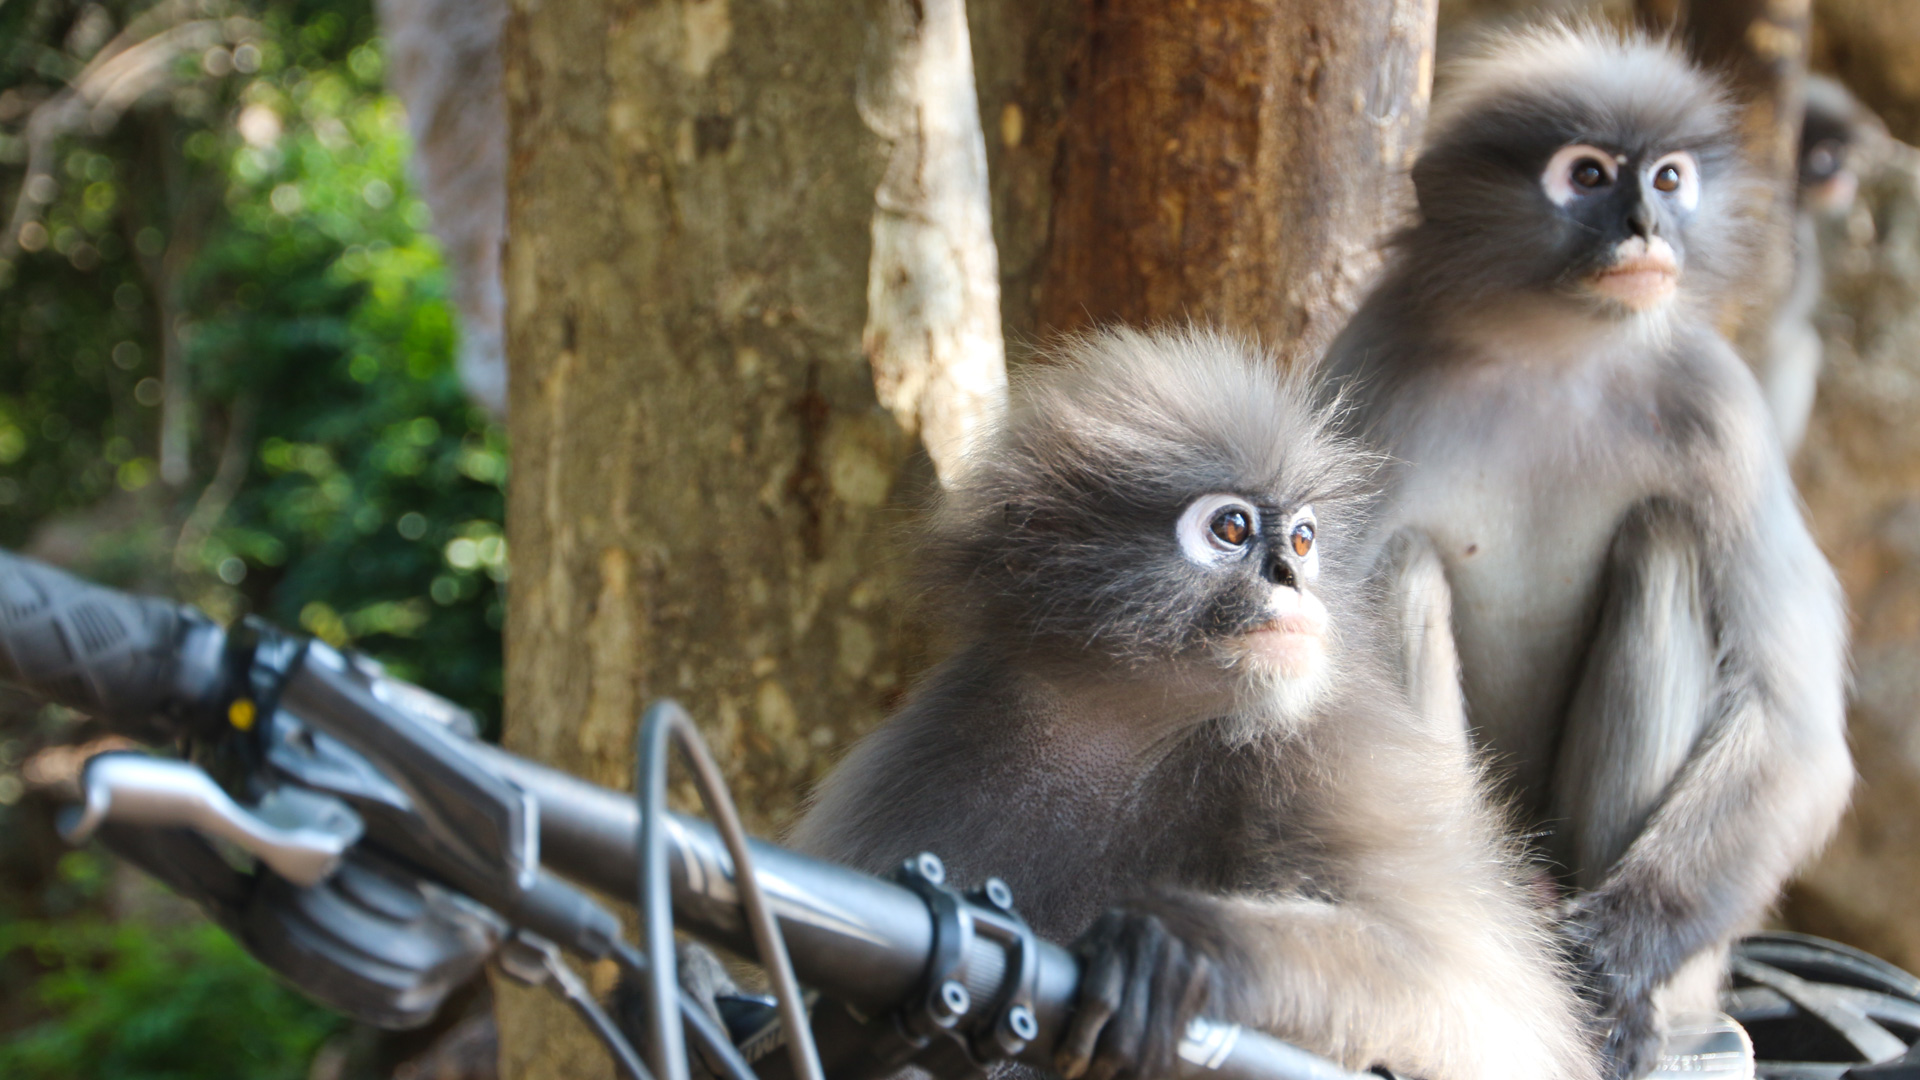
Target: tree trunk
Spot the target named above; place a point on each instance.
(1874, 47)
(1235, 161)
(727, 222)
(730, 224)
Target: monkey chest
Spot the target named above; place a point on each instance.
(1522, 516)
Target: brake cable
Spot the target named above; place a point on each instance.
(663, 721)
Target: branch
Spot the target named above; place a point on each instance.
(212, 504)
(136, 62)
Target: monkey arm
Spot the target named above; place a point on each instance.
(1643, 695)
(1405, 938)
(1420, 618)
(1705, 756)
(1790, 367)
(1433, 975)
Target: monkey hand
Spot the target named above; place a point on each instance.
(1139, 987)
(1620, 990)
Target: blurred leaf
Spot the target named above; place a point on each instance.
(138, 1003)
(314, 330)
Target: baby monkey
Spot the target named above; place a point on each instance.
(1167, 730)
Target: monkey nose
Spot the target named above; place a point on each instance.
(1280, 572)
(1641, 221)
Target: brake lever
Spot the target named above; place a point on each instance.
(301, 835)
(474, 825)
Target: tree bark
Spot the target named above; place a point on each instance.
(727, 222)
(730, 223)
(1235, 161)
(1859, 471)
(1874, 47)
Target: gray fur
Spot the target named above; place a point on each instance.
(1670, 713)
(1834, 131)
(1420, 617)
(1323, 867)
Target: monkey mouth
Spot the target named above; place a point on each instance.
(1291, 644)
(1641, 276)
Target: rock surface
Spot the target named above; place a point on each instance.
(1859, 473)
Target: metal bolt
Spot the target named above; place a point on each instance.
(951, 1003)
(1021, 1022)
(999, 895)
(931, 867)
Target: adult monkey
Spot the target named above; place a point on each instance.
(1592, 512)
(1169, 729)
(1834, 131)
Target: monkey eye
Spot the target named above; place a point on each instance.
(1677, 176)
(1578, 170)
(1302, 538)
(1232, 527)
(1217, 527)
(1823, 158)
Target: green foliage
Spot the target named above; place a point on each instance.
(236, 260)
(260, 225)
(133, 1002)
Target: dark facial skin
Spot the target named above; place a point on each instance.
(1487, 189)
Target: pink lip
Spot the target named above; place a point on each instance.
(1638, 280)
(1289, 624)
(1292, 644)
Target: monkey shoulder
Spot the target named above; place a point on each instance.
(879, 803)
(1709, 395)
(973, 770)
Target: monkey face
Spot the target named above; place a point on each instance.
(1265, 564)
(1605, 171)
(1171, 503)
(1831, 131)
(1638, 205)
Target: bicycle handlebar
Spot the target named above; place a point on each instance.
(858, 939)
(153, 669)
(108, 654)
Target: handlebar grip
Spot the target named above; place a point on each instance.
(111, 655)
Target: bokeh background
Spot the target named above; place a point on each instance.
(242, 363)
(227, 373)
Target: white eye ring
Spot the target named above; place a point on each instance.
(1688, 194)
(1557, 180)
(1195, 530)
(1310, 563)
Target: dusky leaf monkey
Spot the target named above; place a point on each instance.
(1591, 542)
(1168, 727)
(1834, 131)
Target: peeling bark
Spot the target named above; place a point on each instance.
(443, 60)
(933, 282)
